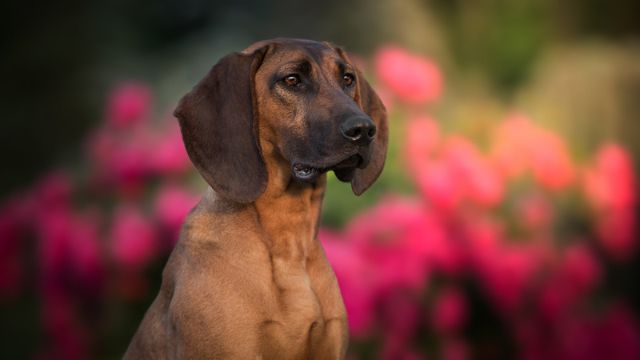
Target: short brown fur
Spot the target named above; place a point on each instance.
(248, 278)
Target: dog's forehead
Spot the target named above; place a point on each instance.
(287, 49)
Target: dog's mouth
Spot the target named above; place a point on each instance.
(344, 169)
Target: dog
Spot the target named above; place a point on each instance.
(248, 278)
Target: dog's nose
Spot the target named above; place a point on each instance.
(358, 129)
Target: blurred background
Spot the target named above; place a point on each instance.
(505, 224)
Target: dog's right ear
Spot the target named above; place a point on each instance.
(219, 128)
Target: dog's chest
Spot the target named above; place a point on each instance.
(305, 322)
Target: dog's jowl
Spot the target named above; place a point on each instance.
(248, 278)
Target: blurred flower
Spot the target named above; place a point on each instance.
(121, 160)
(352, 272)
(172, 205)
(128, 104)
(167, 153)
(519, 145)
(550, 160)
(509, 145)
(133, 238)
(534, 211)
(399, 317)
(386, 236)
(508, 275)
(67, 339)
(449, 311)
(609, 185)
(439, 184)
(411, 78)
(571, 279)
(609, 182)
(422, 138)
(479, 181)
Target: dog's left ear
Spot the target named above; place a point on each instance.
(371, 104)
(219, 128)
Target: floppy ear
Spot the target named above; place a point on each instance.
(372, 106)
(219, 128)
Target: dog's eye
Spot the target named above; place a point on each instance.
(348, 79)
(292, 80)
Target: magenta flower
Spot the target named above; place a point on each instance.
(121, 159)
(173, 203)
(422, 139)
(413, 79)
(355, 280)
(133, 238)
(508, 275)
(610, 181)
(129, 104)
(387, 236)
(609, 185)
(167, 153)
(439, 184)
(449, 311)
(478, 179)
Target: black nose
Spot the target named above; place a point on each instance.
(358, 129)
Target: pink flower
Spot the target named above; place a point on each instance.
(508, 275)
(412, 78)
(535, 212)
(168, 155)
(509, 151)
(520, 145)
(87, 250)
(550, 161)
(172, 206)
(386, 235)
(133, 239)
(438, 183)
(121, 159)
(68, 338)
(480, 182)
(571, 279)
(610, 187)
(399, 318)
(128, 104)
(610, 182)
(422, 136)
(449, 311)
(581, 268)
(354, 279)
(442, 252)
(617, 233)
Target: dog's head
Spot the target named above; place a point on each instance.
(305, 98)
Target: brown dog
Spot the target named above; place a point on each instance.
(248, 278)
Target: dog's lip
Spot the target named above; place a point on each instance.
(309, 172)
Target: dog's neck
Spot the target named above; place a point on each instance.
(291, 229)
